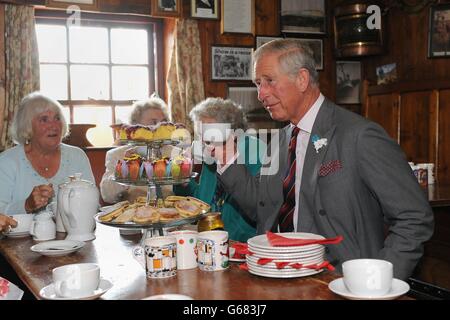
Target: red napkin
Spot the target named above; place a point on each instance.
(241, 249)
(280, 241)
(243, 266)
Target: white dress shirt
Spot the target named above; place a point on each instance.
(303, 139)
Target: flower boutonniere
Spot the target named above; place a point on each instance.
(318, 142)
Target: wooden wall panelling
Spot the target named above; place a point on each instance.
(384, 109)
(2, 65)
(416, 122)
(443, 170)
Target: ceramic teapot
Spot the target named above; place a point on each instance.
(79, 202)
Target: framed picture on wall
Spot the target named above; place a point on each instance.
(306, 16)
(166, 8)
(348, 82)
(246, 96)
(238, 16)
(205, 9)
(262, 40)
(231, 63)
(439, 31)
(83, 4)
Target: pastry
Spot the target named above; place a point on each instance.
(187, 208)
(181, 133)
(168, 214)
(203, 205)
(117, 210)
(146, 214)
(126, 216)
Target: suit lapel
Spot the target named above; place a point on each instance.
(324, 127)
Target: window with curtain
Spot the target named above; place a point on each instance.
(98, 68)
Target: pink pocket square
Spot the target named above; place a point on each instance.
(329, 167)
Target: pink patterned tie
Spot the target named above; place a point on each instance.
(286, 214)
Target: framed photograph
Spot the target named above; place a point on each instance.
(348, 82)
(262, 40)
(386, 74)
(231, 63)
(83, 4)
(439, 31)
(246, 96)
(238, 16)
(205, 9)
(166, 8)
(306, 16)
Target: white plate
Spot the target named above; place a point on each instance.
(57, 248)
(21, 234)
(48, 292)
(398, 289)
(263, 243)
(295, 255)
(274, 270)
(284, 275)
(272, 264)
(169, 296)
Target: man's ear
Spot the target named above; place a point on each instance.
(302, 79)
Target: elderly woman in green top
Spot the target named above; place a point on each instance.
(249, 149)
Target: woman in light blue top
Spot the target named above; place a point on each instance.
(31, 171)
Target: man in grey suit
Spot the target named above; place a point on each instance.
(351, 178)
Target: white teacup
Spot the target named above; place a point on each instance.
(76, 280)
(368, 277)
(186, 245)
(23, 223)
(212, 250)
(216, 132)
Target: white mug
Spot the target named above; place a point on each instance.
(186, 248)
(76, 280)
(368, 277)
(160, 257)
(42, 227)
(212, 250)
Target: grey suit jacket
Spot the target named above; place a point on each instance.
(375, 187)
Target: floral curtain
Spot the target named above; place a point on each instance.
(22, 63)
(185, 76)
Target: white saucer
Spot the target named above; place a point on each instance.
(398, 289)
(48, 292)
(21, 234)
(57, 247)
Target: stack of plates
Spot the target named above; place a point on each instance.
(307, 255)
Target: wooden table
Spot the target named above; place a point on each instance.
(113, 253)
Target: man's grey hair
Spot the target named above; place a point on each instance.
(21, 129)
(223, 111)
(154, 102)
(293, 56)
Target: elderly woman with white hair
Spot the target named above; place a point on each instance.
(145, 112)
(249, 150)
(31, 171)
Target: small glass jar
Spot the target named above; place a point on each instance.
(212, 221)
